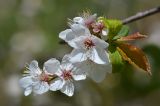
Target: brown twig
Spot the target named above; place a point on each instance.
(136, 17)
(141, 15)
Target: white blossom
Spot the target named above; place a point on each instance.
(37, 80)
(89, 57)
(89, 48)
(86, 46)
(97, 72)
(90, 21)
(67, 74)
(79, 27)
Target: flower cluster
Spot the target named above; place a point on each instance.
(54, 76)
(89, 58)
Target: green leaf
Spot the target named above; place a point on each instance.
(114, 26)
(123, 32)
(116, 59)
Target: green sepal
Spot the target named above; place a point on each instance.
(114, 26)
(116, 59)
(123, 32)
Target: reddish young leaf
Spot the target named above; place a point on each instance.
(131, 37)
(134, 56)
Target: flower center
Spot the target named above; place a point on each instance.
(89, 43)
(67, 74)
(44, 77)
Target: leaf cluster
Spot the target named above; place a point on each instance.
(120, 50)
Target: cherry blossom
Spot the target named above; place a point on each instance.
(37, 80)
(67, 74)
(90, 21)
(89, 48)
(97, 72)
(89, 57)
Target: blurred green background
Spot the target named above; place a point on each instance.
(29, 30)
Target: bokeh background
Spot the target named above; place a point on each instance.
(29, 30)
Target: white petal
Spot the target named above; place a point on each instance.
(95, 71)
(66, 59)
(98, 72)
(25, 82)
(78, 30)
(105, 32)
(99, 56)
(59, 73)
(56, 85)
(68, 88)
(79, 77)
(66, 66)
(78, 20)
(78, 43)
(77, 72)
(63, 35)
(81, 68)
(78, 55)
(93, 17)
(52, 65)
(66, 63)
(70, 36)
(28, 91)
(99, 42)
(41, 88)
(34, 68)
